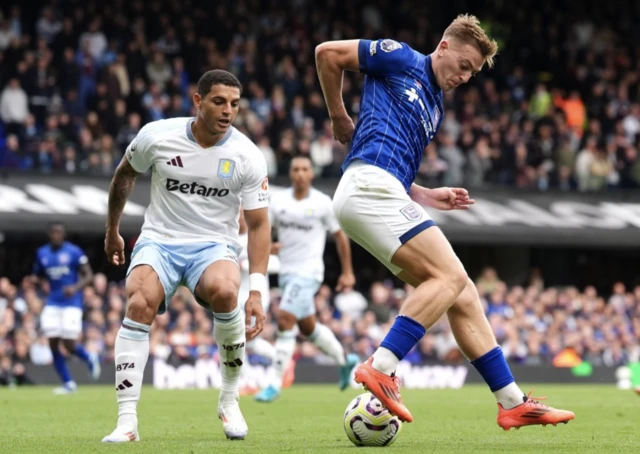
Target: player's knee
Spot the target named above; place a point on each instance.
(54, 344)
(286, 321)
(307, 327)
(69, 345)
(458, 280)
(468, 300)
(222, 295)
(453, 281)
(140, 308)
(144, 295)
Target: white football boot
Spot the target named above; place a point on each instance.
(233, 423)
(124, 433)
(69, 387)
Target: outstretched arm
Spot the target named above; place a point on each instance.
(122, 184)
(443, 199)
(332, 59)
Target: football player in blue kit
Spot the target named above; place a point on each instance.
(66, 267)
(379, 206)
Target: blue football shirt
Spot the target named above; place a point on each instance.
(400, 110)
(61, 267)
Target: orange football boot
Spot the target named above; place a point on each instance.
(385, 387)
(532, 412)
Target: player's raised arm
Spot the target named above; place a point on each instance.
(332, 59)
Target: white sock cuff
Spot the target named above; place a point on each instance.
(286, 335)
(134, 330)
(317, 331)
(227, 317)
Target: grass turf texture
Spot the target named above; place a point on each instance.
(309, 419)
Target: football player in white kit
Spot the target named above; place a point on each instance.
(302, 215)
(203, 169)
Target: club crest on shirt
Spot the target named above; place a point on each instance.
(63, 258)
(308, 213)
(411, 212)
(389, 45)
(226, 168)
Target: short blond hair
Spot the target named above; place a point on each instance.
(466, 29)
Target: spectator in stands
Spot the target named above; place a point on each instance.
(519, 125)
(533, 324)
(14, 106)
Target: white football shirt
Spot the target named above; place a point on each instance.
(302, 231)
(196, 192)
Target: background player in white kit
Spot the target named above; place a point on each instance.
(302, 215)
(203, 170)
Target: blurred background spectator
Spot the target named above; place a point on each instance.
(533, 324)
(561, 110)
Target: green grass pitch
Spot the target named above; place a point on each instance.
(309, 419)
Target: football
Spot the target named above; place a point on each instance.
(368, 423)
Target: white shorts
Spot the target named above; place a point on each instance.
(374, 210)
(62, 322)
(298, 295)
(179, 264)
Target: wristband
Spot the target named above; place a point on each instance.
(258, 282)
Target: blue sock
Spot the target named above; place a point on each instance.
(81, 353)
(60, 364)
(494, 369)
(403, 336)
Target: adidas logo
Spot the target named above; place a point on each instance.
(534, 414)
(235, 363)
(124, 385)
(175, 162)
(390, 393)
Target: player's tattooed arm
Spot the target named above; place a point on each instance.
(122, 184)
(124, 179)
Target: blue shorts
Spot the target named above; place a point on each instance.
(298, 295)
(179, 264)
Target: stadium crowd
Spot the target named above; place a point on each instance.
(560, 110)
(532, 323)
